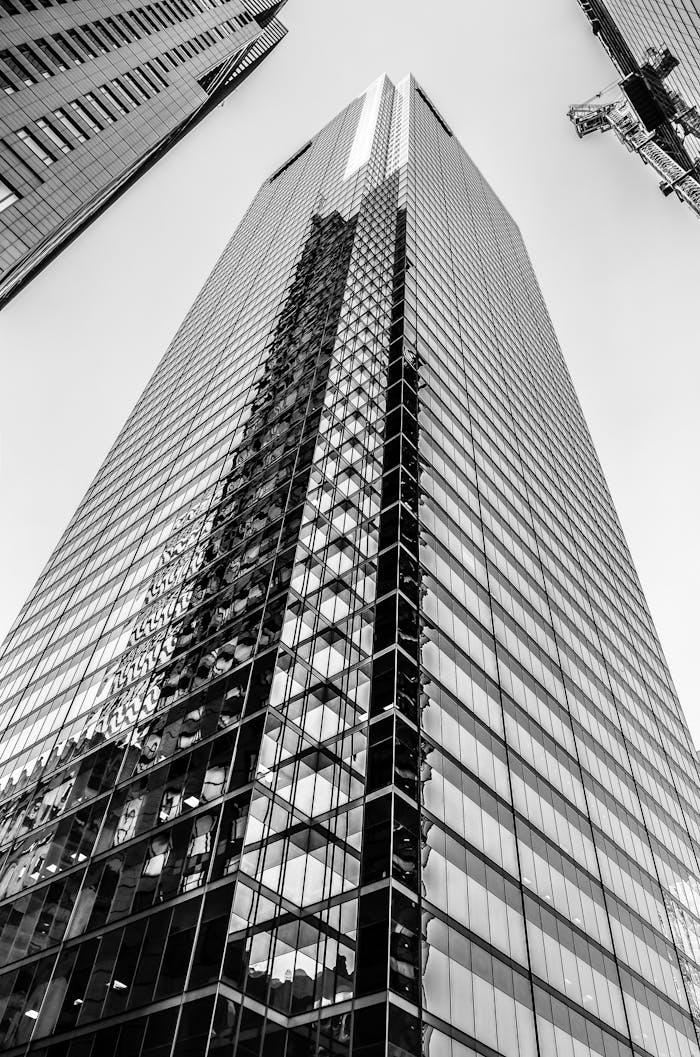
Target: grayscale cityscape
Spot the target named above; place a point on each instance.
(336, 722)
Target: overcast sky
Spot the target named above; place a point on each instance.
(617, 263)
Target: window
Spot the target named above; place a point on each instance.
(159, 62)
(155, 73)
(104, 28)
(147, 17)
(147, 80)
(113, 100)
(89, 32)
(160, 13)
(56, 138)
(34, 60)
(70, 125)
(118, 31)
(129, 77)
(35, 147)
(101, 109)
(180, 5)
(7, 195)
(131, 31)
(151, 17)
(6, 85)
(50, 53)
(125, 94)
(171, 11)
(87, 117)
(83, 44)
(140, 22)
(16, 67)
(68, 48)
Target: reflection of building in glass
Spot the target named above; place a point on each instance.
(337, 723)
(654, 110)
(93, 94)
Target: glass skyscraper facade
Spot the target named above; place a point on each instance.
(655, 46)
(337, 723)
(93, 93)
(649, 28)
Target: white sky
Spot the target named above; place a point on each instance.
(617, 263)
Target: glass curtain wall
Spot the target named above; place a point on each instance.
(92, 95)
(337, 723)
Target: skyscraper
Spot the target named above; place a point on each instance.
(337, 723)
(92, 94)
(654, 109)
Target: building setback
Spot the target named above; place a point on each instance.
(655, 46)
(92, 94)
(337, 723)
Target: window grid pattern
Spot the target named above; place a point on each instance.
(131, 78)
(337, 720)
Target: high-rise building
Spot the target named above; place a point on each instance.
(337, 723)
(93, 93)
(653, 110)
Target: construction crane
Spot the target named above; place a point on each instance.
(619, 115)
(646, 114)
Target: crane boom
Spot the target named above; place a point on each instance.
(619, 115)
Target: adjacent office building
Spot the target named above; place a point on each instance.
(655, 46)
(337, 723)
(93, 93)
